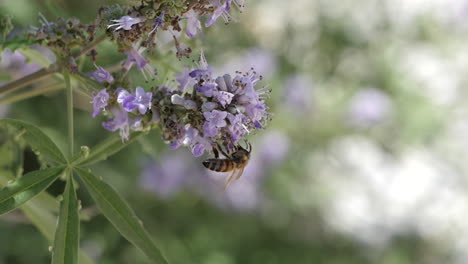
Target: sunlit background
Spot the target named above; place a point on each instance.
(365, 160)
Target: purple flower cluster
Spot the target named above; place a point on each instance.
(217, 8)
(125, 106)
(219, 109)
(201, 112)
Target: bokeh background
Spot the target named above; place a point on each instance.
(365, 160)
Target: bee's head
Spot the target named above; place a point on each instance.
(245, 151)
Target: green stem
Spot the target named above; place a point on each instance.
(69, 92)
(28, 79)
(31, 93)
(90, 46)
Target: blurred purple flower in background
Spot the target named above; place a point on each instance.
(176, 171)
(274, 147)
(14, 64)
(168, 175)
(368, 107)
(263, 60)
(298, 93)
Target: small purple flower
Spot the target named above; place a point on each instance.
(135, 57)
(125, 22)
(256, 112)
(119, 121)
(187, 104)
(214, 120)
(158, 22)
(208, 89)
(140, 100)
(177, 99)
(193, 24)
(236, 126)
(123, 98)
(100, 101)
(221, 83)
(184, 79)
(200, 146)
(208, 106)
(221, 10)
(224, 97)
(101, 75)
(201, 75)
(190, 105)
(143, 100)
(203, 72)
(190, 135)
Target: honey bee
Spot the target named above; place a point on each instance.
(234, 163)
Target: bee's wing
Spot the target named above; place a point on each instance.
(239, 174)
(230, 178)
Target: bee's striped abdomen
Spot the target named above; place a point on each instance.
(220, 165)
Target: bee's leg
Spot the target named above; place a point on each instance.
(216, 153)
(230, 178)
(240, 173)
(223, 152)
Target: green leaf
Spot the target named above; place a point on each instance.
(103, 150)
(67, 234)
(26, 187)
(119, 213)
(45, 221)
(11, 154)
(17, 43)
(41, 210)
(38, 140)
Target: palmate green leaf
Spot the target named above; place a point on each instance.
(119, 213)
(67, 234)
(38, 140)
(41, 213)
(26, 187)
(103, 150)
(45, 222)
